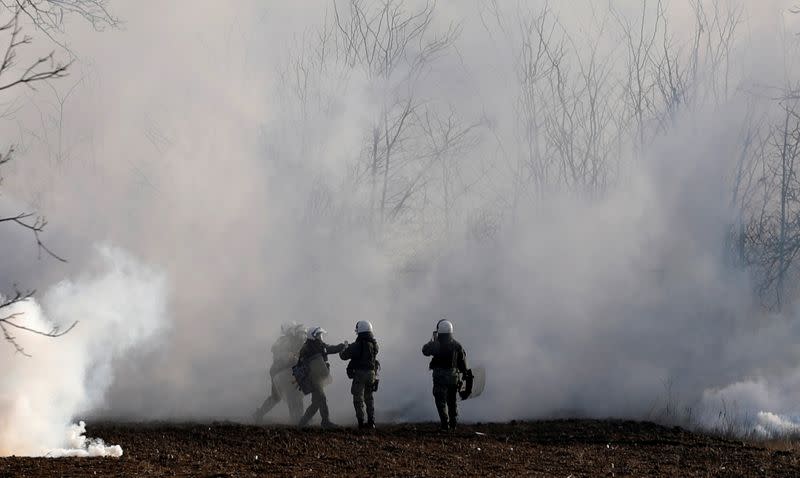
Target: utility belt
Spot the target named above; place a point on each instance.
(446, 376)
(352, 369)
(363, 369)
(444, 370)
(351, 373)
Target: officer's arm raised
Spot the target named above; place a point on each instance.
(430, 348)
(335, 349)
(347, 353)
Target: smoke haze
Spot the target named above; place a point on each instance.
(219, 147)
(119, 304)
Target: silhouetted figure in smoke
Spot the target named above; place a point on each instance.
(314, 356)
(363, 369)
(449, 364)
(285, 352)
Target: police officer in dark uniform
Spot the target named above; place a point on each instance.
(314, 353)
(284, 354)
(363, 368)
(448, 363)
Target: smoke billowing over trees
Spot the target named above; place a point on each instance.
(603, 198)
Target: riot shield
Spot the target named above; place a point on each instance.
(478, 383)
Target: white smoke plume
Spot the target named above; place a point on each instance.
(78, 445)
(119, 304)
(214, 143)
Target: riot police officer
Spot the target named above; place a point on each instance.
(448, 363)
(314, 354)
(284, 354)
(362, 369)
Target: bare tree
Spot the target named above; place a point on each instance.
(569, 119)
(447, 138)
(747, 177)
(38, 70)
(640, 40)
(9, 322)
(665, 76)
(47, 16)
(768, 189)
(393, 48)
(543, 49)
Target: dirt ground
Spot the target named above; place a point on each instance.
(564, 448)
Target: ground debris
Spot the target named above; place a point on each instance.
(576, 448)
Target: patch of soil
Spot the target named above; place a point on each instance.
(577, 448)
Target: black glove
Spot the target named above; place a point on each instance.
(467, 391)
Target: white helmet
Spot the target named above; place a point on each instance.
(444, 327)
(316, 333)
(363, 326)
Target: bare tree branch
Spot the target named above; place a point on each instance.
(10, 321)
(47, 16)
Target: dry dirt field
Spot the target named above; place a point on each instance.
(562, 448)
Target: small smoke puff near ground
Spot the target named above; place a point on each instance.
(118, 304)
(78, 445)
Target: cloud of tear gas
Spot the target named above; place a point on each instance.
(224, 145)
(119, 304)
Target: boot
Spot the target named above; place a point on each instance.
(443, 420)
(265, 408)
(370, 414)
(371, 420)
(306, 418)
(257, 416)
(359, 406)
(329, 425)
(452, 412)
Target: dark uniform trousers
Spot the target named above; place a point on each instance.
(363, 383)
(445, 393)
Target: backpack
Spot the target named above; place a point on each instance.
(302, 376)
